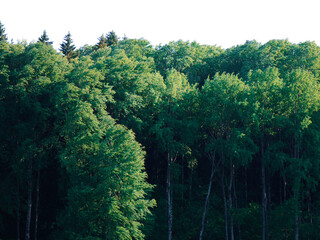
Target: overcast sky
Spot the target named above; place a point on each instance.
(217, 22)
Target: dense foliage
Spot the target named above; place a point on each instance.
(123, 140)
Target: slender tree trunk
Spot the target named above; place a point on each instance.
(309, 210)
(37, 205)
(231, 218)
(18, 210)
(296, 227)
(225, 206)
(296, 193)
(296, 216)
(246, 184)
(190, 186)
(182, 183)
(264, 203)
(207, 198)
(264, 194)
(29, 203)
(280, 189)
(236, 206)
(239, 230)
(268, 207)
(284, 179)
(284, 188)
(230, 203)
(169, 196)
(309, 207)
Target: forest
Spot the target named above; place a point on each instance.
(123, 140)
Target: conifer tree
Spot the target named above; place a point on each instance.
(67, 47)
(124, 37)
(112, 39)
(102, 42)
(3, 36)
(44, 38)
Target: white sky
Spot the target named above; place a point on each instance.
(224, 23)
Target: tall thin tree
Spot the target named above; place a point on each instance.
(44, 38)
(67, 47)
(3, 35)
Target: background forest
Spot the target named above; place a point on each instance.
(123, 140)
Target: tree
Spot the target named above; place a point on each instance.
(33, 71)
(75, 136)
(302, 100)
(138, 49)
(102, 42)
(112, 39)
(67, 48)
(240, 59)
(3, 35)
(166, 132)
(124, 74)
(224, 119)
(267, 92)
(107, 196)
(186, 57)
(44, 38)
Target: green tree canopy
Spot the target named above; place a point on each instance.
(107, 197)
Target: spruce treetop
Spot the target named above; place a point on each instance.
(112, 39)
(3, 36)
(102, 42)
(44, 38)
(67, 47)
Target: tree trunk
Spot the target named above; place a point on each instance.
(285, 198)
(225, 206)
(309, 207)
(264, 194)
(37, 205)
(239, 231)
(268, 206)
(284, 188)
(296, 216)
(29, 203)
(264, 203)
(246, 184)
(296, 192)
(182, 183)
(280, 189)
(230, 202)
(190, 186)
(309, 210)
(236, 206)
(296, 227)
(18, 210)
(207, 198)
(169, 196)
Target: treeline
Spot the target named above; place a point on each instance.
(123, 140)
